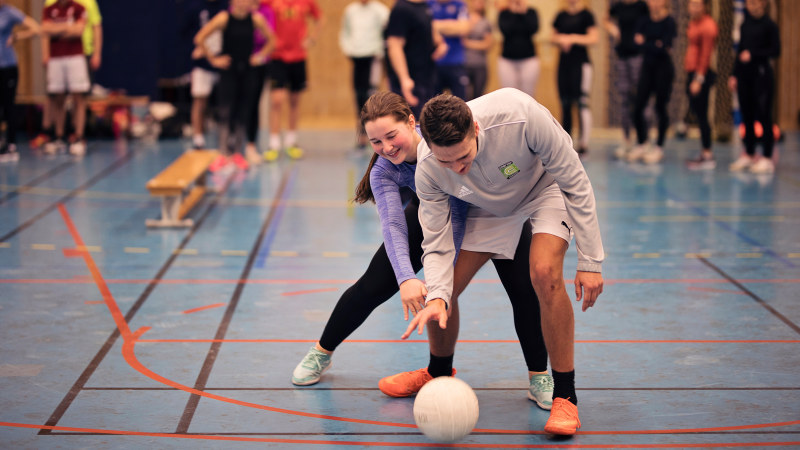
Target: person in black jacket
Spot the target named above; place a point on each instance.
(754, 82)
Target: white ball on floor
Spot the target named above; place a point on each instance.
(446, 409)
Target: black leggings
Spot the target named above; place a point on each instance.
(755, 91)
(699, 105)
(9, 76)
(258, 87)
(378, 284)
(235, 90)
(656, 78)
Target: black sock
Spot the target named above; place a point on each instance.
(440, 366)
(564, 386)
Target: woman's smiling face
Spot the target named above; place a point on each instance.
(394, 140)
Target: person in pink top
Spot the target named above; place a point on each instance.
(702, 37)
(288, 69)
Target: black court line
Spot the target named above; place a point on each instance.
(213, 351)
(752, 295)
(102, 174)
(87, 373)
(49, 174)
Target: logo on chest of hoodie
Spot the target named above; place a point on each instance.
(509, 169)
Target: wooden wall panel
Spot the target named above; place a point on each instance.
(787, 85)
(329, 98)
(24, 53)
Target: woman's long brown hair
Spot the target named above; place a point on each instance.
(380, 104)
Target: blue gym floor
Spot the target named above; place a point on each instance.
(118, 336)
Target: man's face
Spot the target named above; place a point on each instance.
(458, 157)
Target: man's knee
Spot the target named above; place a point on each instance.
(546, 277)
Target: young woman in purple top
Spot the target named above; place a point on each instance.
(392, 131)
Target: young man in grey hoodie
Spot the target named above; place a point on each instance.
(506, 155)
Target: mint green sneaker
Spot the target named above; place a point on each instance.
(541, 391)
(313, 365)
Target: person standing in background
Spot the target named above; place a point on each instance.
(754, 82)
(67, 71)
(204, 76)
(451, 19)
(237, 64)
(412, 47)
(93, 48)
(361, 39)
(702, 39)
(518, 66)
(654, 34)
(251, 152)
(288, 70)
(574, 30)
(476, 47)
(621, 26)
(10, 17)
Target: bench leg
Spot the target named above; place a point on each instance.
(170, 214)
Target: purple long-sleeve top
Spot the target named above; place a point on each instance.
(386, 180)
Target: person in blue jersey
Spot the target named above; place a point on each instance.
(11, 18)
(391, 128)
(451, 19)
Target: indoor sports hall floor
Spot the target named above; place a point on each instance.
(118, 336)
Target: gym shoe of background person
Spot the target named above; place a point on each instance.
(77, 148)
(621, 152)
(541, 391)
(271, 155)
(405, 384)
(56, 146)
(311, 368)
(238, 160)
(741, 163)
(653, 156)
(763, 165)
(252, 155)
(198, 141)
(39, 140)
(295, 152)
(700, 163)
(563, 419)
(636, 153)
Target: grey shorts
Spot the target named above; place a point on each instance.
(500, 235)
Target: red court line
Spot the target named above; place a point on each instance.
(116, 314)
(129, 354)
(203, 308)
(387, 444)
(716, 291)
(479, 341)
(349, 282)
(311, 291)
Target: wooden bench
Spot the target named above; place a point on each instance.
(181, 185)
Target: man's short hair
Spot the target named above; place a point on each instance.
(446, 120)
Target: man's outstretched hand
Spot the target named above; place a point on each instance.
(434, 310)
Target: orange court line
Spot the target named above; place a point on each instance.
(312, 291)
(203, 308)
(387, 444)
(477, 341)
(607, 282)
(717, 291)
(129, 354)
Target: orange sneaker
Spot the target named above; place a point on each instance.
(405, 384)
(563, 418)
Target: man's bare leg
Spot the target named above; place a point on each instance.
(443, 342)
(558, 321)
